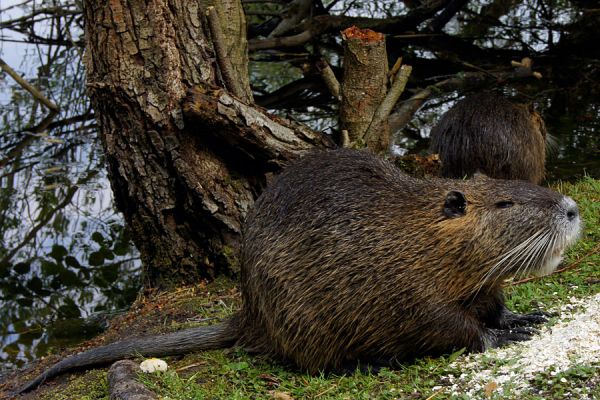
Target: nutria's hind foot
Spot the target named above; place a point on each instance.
(504, 337)
(509, 319)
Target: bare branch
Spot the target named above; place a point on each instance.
(262, 136)
(29, 87)
(388, 103)
(446, 15)
(329, 78)
(231, 82)
(321, 24)
(291, 16)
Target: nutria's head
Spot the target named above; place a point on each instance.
(511, 227)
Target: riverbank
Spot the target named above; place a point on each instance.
(561, 362)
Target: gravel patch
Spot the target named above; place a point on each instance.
(572, 342)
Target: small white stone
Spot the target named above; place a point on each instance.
(153, 365)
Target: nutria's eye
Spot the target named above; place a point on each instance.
(455, 205)
(504, 204)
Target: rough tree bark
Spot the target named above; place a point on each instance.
(180, 187)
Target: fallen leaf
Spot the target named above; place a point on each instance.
(489, 388)
(281, 396)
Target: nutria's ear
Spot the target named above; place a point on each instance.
(455, 205)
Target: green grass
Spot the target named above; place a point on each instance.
(575, 382)
(233, 374)
(89, 386)
(239, 376)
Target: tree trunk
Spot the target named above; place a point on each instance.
(182, 189)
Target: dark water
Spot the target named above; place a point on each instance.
(577, 151)
(66, 259)
(67, 262)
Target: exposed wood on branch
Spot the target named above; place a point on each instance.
(264, 137)
(123, 385)
(364, 86)
(395, 68)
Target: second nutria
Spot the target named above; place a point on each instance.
(346, 259)
(487, 133)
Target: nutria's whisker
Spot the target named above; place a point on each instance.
(511, 256)
(537, 253)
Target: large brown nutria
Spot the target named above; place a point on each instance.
(346, 259)
(487, 133)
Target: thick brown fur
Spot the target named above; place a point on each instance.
(487, 133)
(345, 259)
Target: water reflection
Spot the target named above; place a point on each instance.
(65, 254)
(66, 259)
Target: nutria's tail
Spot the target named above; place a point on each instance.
(202, 338)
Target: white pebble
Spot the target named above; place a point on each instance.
(153, 365)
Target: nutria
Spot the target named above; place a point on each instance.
(345, 259)
(487, 133)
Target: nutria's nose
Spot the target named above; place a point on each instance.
(572, 212)
(571, 207)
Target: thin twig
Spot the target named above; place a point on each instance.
(329, 78)
(385, 108)
(29, 87)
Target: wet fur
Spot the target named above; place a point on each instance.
(487, 133)
(345, 259)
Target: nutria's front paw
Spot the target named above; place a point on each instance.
(509, 319)
(503, 337)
